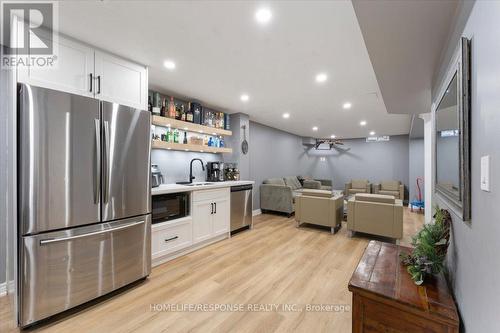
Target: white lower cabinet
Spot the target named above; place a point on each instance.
(202, 224)
(170, 237)
(209, 222)
(210, 214)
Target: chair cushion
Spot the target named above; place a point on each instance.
(375, 198)
(390, 185)
(316, 193)
(275, 181)
(359, 183)
(293, 182)
(394, 193)
(326, 188)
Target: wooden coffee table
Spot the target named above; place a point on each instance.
(385, 299)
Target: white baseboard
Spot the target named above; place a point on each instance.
(256, 212)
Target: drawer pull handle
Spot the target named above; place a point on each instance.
(171, 239)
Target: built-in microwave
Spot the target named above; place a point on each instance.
(167, 207)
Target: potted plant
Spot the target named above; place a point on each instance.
(430, 247)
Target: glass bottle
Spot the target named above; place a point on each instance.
(183, 113)
(176, 136)
(169, 135)
(171, 108)
(150, 104)
(185, 141)
(162, 110)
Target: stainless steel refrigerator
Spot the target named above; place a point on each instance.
(84, 199)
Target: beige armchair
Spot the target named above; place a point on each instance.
(319, 207)
(357, 186)
(375, 214)
(390, 187)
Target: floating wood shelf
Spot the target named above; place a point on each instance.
(157, 144)
(187, 126)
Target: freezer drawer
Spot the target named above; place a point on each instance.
(66, 268)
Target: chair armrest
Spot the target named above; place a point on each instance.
(347, 187)
(276, 197)
(325, 182)
(376, 188)
(312, 184)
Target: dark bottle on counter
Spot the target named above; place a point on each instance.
(162, 110)
(185, 141)
(150, 104)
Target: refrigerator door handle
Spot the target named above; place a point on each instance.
(94, 233)
(97, 161)
(105, 170)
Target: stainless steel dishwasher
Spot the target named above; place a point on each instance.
(241, 207)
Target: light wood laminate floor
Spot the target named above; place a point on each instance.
(273, 264)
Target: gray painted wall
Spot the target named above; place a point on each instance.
(473, 256)
(275, 153)
(416, 167)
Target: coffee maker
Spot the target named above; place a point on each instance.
(215, 171)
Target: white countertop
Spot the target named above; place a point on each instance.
(176, 188)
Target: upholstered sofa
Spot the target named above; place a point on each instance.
(375, 214)
(278, 194)
(357, 186)
(319, 207)
(390, 187)
(316, 184)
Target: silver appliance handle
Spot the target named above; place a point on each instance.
(97, 161)
(106, 162)
(65, 239)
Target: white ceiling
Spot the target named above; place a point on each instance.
(405, 40)
(221, 52)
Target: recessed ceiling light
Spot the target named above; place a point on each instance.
(286, 115)
(244, 97)
(347, 105)
(169, 64)
(333, 136)
(315, 128)
(321, 77)
(372, 133)
(263, 15)
(362, 122)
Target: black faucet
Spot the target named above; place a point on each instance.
(191, 177)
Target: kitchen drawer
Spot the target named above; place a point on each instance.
(170, 237)
(204, 195)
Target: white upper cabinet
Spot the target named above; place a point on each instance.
(72, 71)
(120, 81)
(83, 70)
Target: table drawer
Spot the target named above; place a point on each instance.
(171, 237)
(203, 195)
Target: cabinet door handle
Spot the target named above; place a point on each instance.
(91, 81)
(171, 239)
(212, 209)
(98, 84)
(215, 204)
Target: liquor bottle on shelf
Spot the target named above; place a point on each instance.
(185, 141)
(221, 124)
(176, 136)
(150, 104)
(162, 110)
(197, 113)
(183, 113)
(210, 142)
(171, 108)
(177, 111)
(221, 142)
(168, 136)
(189, 114)
(226, 121)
